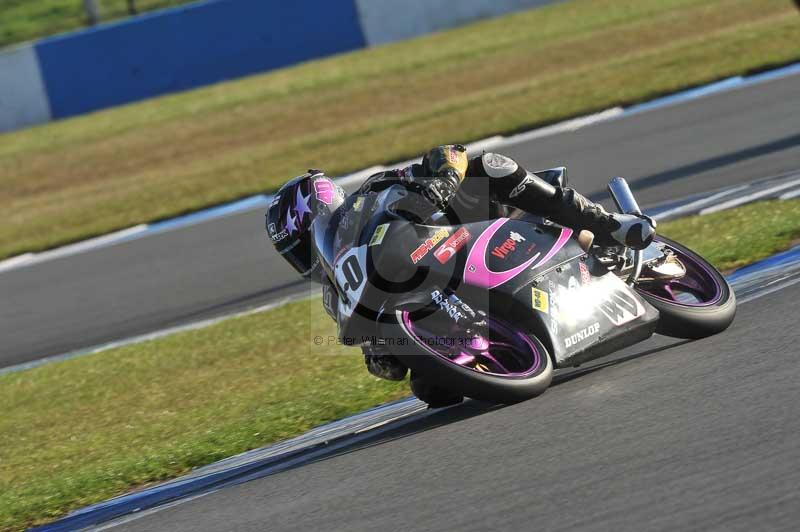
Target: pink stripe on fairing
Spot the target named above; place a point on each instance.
(484, 277)
(562, 240)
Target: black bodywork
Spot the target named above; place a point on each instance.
(525, 271)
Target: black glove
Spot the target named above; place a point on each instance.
(439, 190)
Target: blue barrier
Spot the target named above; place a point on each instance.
(188, 47)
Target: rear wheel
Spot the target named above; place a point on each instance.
(500, 365)
(699, 304)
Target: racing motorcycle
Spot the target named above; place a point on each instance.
(488, 309)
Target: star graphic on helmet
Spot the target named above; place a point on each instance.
(301, 205)
(290, 225)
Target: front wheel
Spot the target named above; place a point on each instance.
(502, 365)
(697, 305)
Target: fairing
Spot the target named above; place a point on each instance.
(525, 272)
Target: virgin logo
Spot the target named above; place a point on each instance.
(508, 246)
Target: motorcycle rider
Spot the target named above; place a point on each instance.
(461, 188)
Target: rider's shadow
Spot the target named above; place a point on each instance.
(435, 418)
(566, 375)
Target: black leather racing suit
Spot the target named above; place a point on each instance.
(492, 183)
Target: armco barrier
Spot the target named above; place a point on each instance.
(393, 20)
(23, 100)
(189, 47)
(206, 42)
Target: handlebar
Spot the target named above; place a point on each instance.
(626, 204)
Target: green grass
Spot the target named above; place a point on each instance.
(93, 174)
(80, 431)
(83, 430)
(733, 238)
(24, 20)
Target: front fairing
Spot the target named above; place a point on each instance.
(345, 242)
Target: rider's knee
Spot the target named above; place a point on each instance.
(496, 166)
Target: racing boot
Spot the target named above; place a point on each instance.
(610, 229)
(382, 364)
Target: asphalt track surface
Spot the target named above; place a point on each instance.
(223, 265)
(668, 435)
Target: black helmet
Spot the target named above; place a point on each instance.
(293, 209)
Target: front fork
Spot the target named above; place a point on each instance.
(626, 204)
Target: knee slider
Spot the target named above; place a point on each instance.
(497, 165)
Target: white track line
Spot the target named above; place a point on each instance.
(750, 197)
(561, 127)
(695, 204)
(17, 261)
(155, 334)
(791, 194)
(769, 289)
(72, 249)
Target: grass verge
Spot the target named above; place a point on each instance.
(93, 174)
(23, 20)
(736, 237)
(80, 431)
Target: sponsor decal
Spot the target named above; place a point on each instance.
(452, 155)
(519, 189)
(423, 249)
(358, 204)
(554, 325)
(344, 221)
(323, 190)
(586, 277)
(582, 335)
(620, 307)
(328, 293)
(377, 236)
(567, 306)
(553, 304)
(451, 246)
(275, 235)
(476, 271)
(449, 305)
(540, 300)
(502, 251)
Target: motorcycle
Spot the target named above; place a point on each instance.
(489, 309)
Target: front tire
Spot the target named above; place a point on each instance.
(711, 313)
